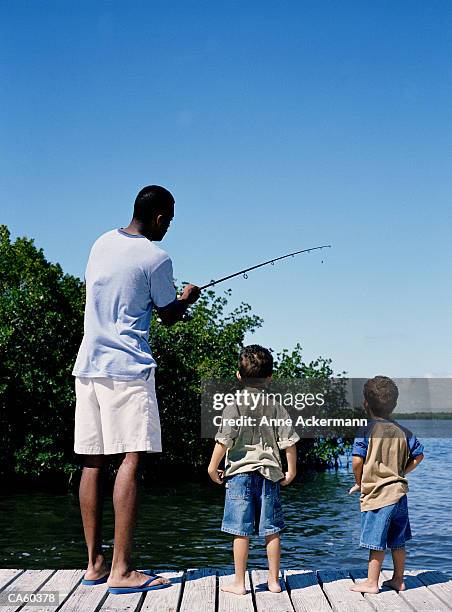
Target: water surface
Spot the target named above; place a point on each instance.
(178, 525)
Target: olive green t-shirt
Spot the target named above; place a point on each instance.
(386, 448)
(253, 434)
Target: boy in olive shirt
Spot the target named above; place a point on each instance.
(253, 469)
(382, 457)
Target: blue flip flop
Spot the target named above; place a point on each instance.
(140, 589)
(102, 580)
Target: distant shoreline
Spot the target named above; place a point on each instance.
(422, 415)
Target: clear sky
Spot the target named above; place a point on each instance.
(278, 126)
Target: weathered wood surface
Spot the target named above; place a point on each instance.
(437, 582)
(85, 599)
(199, 590)
(63, 581)
(165, 600)
(305, 591)
(121, 603)
(336, 586)
(8, 575)
(266, 601)
(418, 596)
(228, 602)
(30, 580)
(387, 599)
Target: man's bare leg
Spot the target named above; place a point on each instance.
(370, 585)
(125, 495)
(273, 543)
(91, 503)
(396, 582)
(240, 547)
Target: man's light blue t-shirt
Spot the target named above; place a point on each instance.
(125, 277)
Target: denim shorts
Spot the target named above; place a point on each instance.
(387, 527)
(252, 505)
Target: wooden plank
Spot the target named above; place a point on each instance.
(63, 581)
(426, 591)
(119, 603)
(305, 592)
(418, 596)
(228, 602)
(266, 601)
(336, 586)
(85, 598)
(165, 600)
(387, 600)
(199, 591)
(7, 575)
(437, 582)
(29, 581)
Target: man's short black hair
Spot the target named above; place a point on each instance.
(151, 200)
(381, 394)
(255, 361)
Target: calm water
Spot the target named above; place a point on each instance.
(179, 525)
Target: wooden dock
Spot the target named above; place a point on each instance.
(197, 590)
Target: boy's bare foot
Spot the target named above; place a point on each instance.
(96, 570)
(365, 587)
(233, 587)
(273, 585)
(395, 583)
(133, 579)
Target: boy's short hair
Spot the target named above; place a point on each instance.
(255, 361)
(381, 395)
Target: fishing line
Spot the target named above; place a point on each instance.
(265, 263)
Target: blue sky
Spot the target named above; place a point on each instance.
(278, 126)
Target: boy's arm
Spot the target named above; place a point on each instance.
(359, 452)
(219, 452)
(224, 439)
(291, 456)
(416, 450)
(357, 467)
(413, 463)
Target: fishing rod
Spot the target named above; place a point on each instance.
(265, 263)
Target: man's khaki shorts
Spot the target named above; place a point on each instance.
(114, 416)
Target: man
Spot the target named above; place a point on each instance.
(127, 275)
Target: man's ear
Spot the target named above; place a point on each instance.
(238, 376)
(159, 220)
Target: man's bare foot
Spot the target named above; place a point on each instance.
(365, 587)
(96, 570)
(274, 586)
(234, 587)
(395, 583)
(133, 579)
